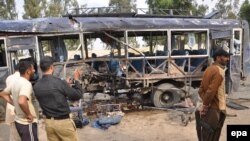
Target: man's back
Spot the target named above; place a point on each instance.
(52, 94)
(212, 72)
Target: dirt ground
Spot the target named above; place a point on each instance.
(154, 125)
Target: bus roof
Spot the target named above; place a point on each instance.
(95, 24)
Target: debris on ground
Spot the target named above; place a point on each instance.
(231, 115)
(187, 103)
(183, 115)
(76, 114)
(107, 115)
(235, 105)
(106, 121)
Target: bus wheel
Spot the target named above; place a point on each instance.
(164, 96)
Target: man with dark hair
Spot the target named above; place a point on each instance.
(25, 119)
(211, 115)
(52, 94)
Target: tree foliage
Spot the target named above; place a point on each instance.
(170, 4)
(33, 8)
(227, 9)
(54, 8)
(199, 10)
(8, 9)
(47, 8)
(180, 5)
(57, 8)
(123, 5)
(244, 12)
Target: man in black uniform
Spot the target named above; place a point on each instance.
(52, 94)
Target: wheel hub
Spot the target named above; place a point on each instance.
(165, 97)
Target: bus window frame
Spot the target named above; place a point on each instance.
(191, 30)
(188, 56)
(6, 53)
(78, 34)
(241, 45)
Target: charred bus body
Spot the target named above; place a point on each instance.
(157, 57)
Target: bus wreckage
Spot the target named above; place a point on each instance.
(144, 57)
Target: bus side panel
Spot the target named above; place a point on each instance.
(4, 70)
(4, 73)
(235, 72)
(246, 50)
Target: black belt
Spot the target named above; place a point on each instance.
(58, 118)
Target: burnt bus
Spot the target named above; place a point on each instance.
(159, 57)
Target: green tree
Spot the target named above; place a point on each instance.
(199, 10)
(180, 6)
(34, 8)
(54, 8)
(171, 4)
(228, 9)
(8, 9)
(123, 5)
(164, 4)
(244, 11)
(57, 8)
(69, 4)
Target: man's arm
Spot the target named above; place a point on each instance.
(23, 103)
(74, 92)
(24, 96)
(6, 97)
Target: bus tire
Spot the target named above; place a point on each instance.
(164, 96)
